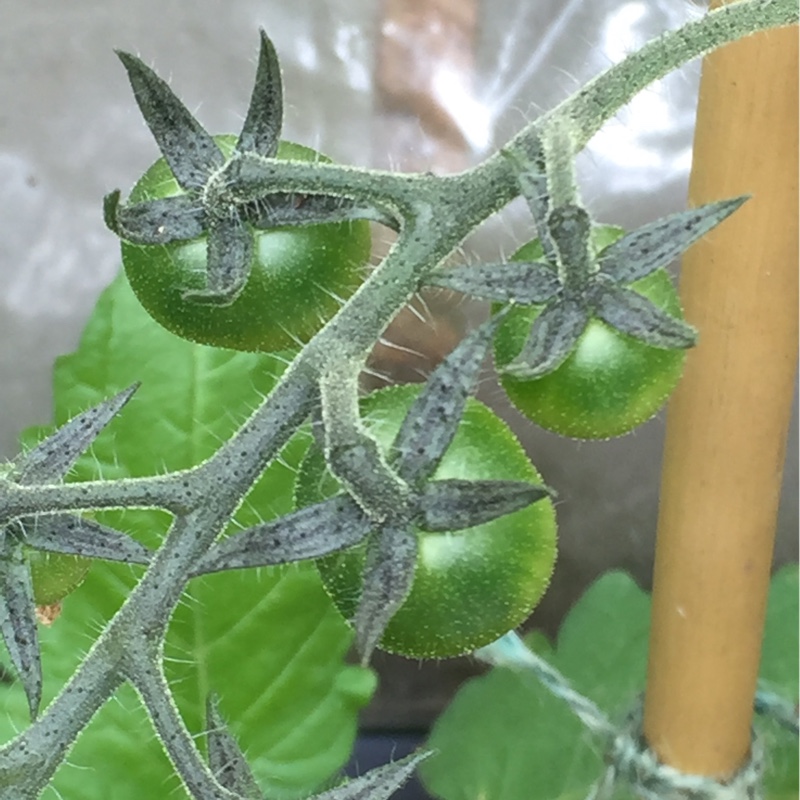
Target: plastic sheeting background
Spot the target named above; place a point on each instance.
(70, 132)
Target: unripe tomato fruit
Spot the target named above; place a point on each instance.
(611, 383)
(470, 586)
(298, 275)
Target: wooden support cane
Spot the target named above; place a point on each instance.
(727, 423)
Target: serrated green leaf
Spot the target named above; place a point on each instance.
(290, 699)
(504, 737)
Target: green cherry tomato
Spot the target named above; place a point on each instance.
(298, 275)
(611, 382)
(470, 586)
(55, 575)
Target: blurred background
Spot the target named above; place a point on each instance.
(408, 84)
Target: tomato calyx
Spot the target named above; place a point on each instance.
(576, 282)
(196, 160)
(424, 436)
(194, 157)
(24, 585)
(339, 522)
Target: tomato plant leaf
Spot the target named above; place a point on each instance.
(553, 336)
(780, 655)
(310, 532)
(388, 576)
(229, 250)
(262, 125)
(18, 619)
(51, 459)
(225, 757)
(629, 312)
(159, 221)
(189, 150)
(454, 504)
(658, 243)
(780, 674)
(378, 784)
(69, 533)
(434, 416)
(504, 736)
(531, 745)
(293, 703)
(531, 283)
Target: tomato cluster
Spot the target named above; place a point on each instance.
(590, 348)
(472, 585)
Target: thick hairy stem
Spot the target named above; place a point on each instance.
(233, 469)
(558, 150)
(250, 177)
(590, 108)
(147, 676)
(352, 454)
(351, 334)
(339, 397)
(29, 761)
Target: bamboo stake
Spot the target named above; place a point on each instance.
(727, 423)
